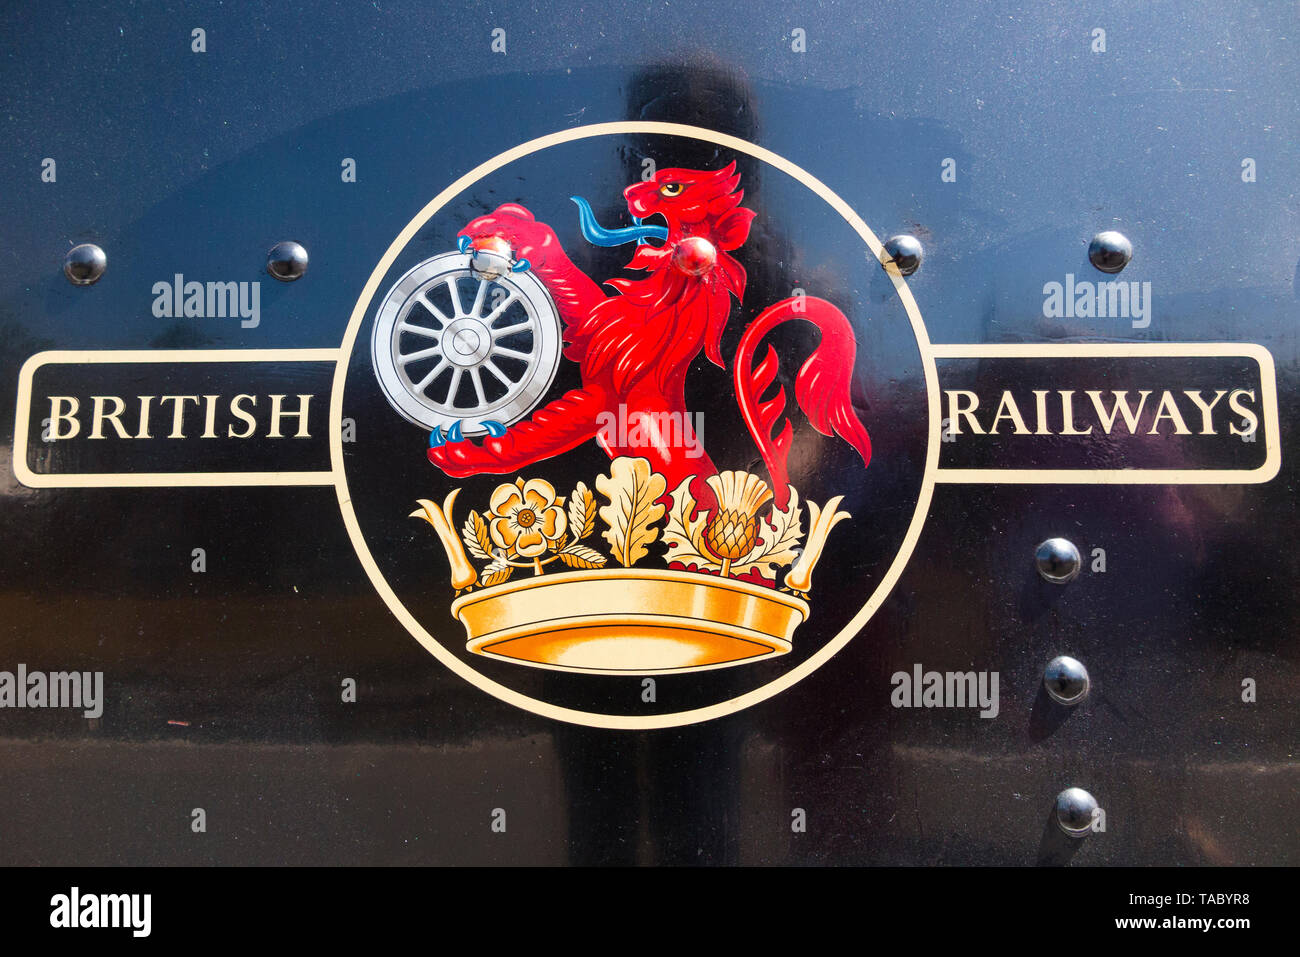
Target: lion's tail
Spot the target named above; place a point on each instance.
(821, 388)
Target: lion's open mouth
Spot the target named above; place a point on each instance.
(658, 220)
(600, 235)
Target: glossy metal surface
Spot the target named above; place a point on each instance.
(287, 261)
(491, 259)
(84, 264)
(1075, 810)
(1110, 251)
(224, 686)
(1058, 560)
(906, 253)
(1066, 680)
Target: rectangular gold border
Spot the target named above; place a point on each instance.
(154, 479)
(1264, 473)
(1250, 350)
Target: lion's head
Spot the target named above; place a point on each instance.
(702, 212)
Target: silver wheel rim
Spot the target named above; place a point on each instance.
(450, 348)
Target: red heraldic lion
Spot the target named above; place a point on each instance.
(633, 348)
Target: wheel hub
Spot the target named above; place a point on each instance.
(467, 342)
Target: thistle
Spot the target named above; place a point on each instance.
(732, 530)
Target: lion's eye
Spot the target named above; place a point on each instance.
(671, 189)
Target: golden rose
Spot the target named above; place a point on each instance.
(526, 517)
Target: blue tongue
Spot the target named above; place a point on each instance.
(598, 235)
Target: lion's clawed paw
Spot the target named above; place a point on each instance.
(528, 238)
(454, 434)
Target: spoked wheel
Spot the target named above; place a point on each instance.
(452, 348)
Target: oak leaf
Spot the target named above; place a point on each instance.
(633, 491)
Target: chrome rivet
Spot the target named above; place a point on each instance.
(490, 258)
(1066, 680)
(1110, 251)
(1058, 560)
(287, 261)
(906, 253)
(84, 264)
(1075, 811)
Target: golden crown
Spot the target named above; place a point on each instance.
(718, 603)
